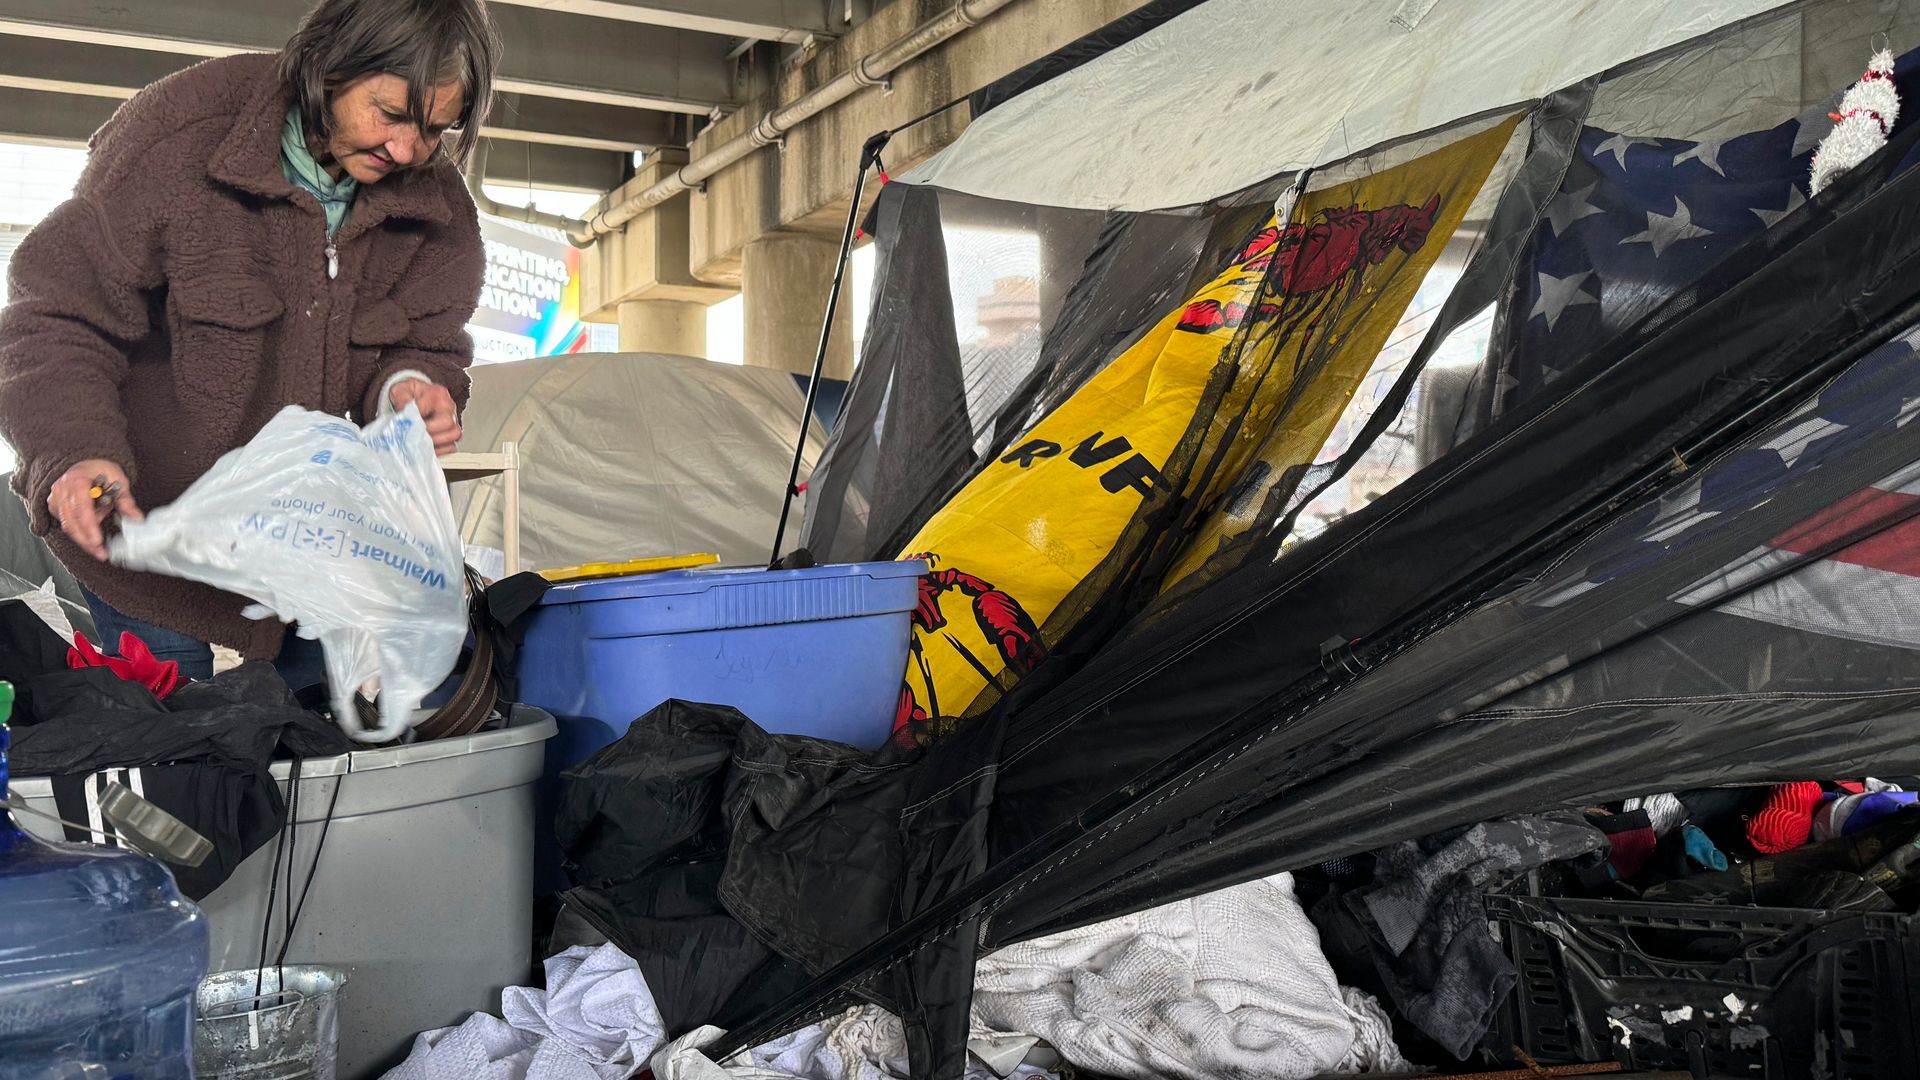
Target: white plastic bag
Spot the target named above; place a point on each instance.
(347, 532)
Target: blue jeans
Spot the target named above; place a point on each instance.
(301, 662)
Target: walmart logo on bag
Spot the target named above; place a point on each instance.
(324, 457)
(400, 561)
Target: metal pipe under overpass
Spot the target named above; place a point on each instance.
(869, 70)
(477, 170)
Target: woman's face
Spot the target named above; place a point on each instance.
(374, 135)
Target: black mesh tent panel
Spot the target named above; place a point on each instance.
(985, 316)
(1353, 580)
(899, 448)
(1396, 673)
(944, 822)
(1677, 682)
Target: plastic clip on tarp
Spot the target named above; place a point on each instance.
(346, 532)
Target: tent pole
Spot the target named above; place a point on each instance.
(869, 157)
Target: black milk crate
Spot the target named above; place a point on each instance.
(1720, 992)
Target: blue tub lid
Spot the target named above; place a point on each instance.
(684, 582)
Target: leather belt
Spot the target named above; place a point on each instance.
(475, 698)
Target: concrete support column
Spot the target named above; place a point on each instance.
(678, 327)
(784, 281)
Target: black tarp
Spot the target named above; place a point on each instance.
(1407, 668)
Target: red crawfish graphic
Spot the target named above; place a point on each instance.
(1312, 266)
(1000, 617)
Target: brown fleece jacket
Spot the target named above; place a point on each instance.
(162, 316)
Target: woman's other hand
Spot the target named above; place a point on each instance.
(437, 411)
(81, 517)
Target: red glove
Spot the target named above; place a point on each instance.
(136, 663)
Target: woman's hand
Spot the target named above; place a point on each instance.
(437, 410)
(73, 505)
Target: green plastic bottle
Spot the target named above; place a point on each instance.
(6, 740)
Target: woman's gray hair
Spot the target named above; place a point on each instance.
(429, 43)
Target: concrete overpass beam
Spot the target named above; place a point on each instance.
(104, 71)
(791, 21)
(35, 116)
(549, 53)
(564, 168)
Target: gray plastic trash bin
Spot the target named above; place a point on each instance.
(424, 890)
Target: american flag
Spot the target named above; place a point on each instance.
(1868, 591)
(1638, 218)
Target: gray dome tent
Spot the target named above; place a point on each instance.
(631, 455)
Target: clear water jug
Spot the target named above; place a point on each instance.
(99, 958)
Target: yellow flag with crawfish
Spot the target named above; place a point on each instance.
(1010, 546)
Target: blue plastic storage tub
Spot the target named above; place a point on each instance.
(809, 652)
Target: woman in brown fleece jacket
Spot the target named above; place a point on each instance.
(251, 233)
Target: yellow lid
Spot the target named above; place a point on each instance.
(624, 569)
